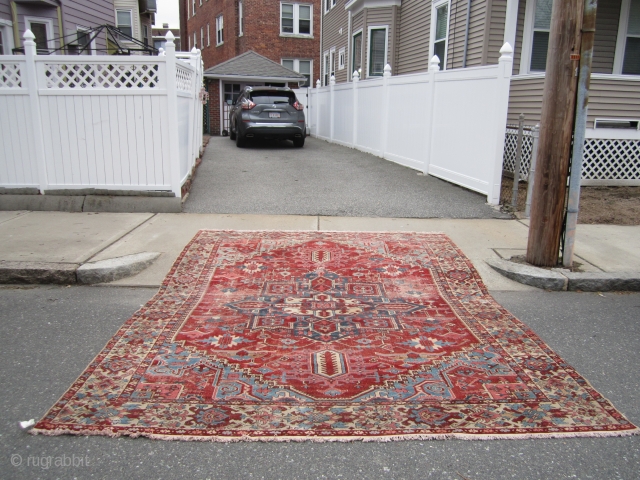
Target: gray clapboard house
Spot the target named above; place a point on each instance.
(365, 35)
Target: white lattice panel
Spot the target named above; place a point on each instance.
(611, 159)
(10, 76)
(101, 75)
(183, 79)
(603, 159)
(510, 151)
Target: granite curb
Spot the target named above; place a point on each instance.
(71, 273)
(558, 279)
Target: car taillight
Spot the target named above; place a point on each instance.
(248, 105)
(298, 106)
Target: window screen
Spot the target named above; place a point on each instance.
(378, 40)
(124, 22)
(631, 62)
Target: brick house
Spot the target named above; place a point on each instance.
(284, 31)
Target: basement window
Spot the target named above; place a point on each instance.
(623, 124)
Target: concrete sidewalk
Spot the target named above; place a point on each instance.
(75, 239)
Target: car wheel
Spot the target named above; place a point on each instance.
(240, 140)
(298, 142)
(232, 134)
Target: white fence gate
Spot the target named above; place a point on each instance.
(113, 123)
(449, 124)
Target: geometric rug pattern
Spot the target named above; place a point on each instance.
(327, 336)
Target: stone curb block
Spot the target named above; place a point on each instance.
(536, 277)
(603, 281)
(37, 272)
(115, 268)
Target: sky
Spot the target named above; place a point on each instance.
(167, 13)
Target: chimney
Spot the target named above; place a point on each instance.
(165, 25)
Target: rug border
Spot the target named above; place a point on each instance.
(120, 432)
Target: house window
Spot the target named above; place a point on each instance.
(332, 63)
(240, 20)
(356, 61)
(195, 40)
(540, 39)
(341, 55)
(2, 52)
(326, 69)
(631, 59)
(301, 66)
(201, 38)
(440, 28)
(124, 22)
(42, 28)
(327, 5)
(85, 45)
(193, 7)
(145, 34)
(219, 30)
(377, 51)
(208, 35)
(231, 92)
(295, 19)
(200, 2)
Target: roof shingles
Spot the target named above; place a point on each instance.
(251, 64)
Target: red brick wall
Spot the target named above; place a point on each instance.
(261, 34)
(214, 106)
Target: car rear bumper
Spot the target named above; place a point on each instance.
(272, 130)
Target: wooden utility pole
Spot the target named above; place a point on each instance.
(556, 127)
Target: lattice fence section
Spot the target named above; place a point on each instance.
(101, 75)
(184, 77)
(510, 151)
(611, 159)
(10, 75)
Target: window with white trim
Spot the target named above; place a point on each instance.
(195, 40)
(377, 51)
(327, 6)
(332, 64)
(540, 35)
(219, 30)
(208, 35)
(295, 19)
(2, 43)
(85, 44)
(240, 20)
(325, 70)
(201, 38)
(124, 22)
(200, 2)
(193, 7)
(440, 31)
(303, 67)
(42, 28)
(341, 58)
(631, 40)
(356, 61)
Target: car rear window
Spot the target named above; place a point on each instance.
(263, 98)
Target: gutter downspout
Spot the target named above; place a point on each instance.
(16, 27)
(62, 35)
(320, 57)
(466, 35)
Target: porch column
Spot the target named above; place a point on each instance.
(511, 22)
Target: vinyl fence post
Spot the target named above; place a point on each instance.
(317, 108)
(30, 75)
(332, 85)
(434, 68)
(505, 65)
(356, 80)
(172, 115)
(518, 162)
(385, 108)
(535, 133)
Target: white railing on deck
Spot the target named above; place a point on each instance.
(104, 122)
(449, 124)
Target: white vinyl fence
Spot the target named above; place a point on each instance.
(104, 122)
(449, 124)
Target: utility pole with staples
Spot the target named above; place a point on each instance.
(556, 128)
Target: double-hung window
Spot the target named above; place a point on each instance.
(377, 51)
(193, 7)
(356, 63)
(341, 57)
(295, 19)
(440, 31)
(240, 20)
(326, 69)
(301, 66)
(85, 45)
(201, 38)
(124, 22)
(208, 35)
(540, 35)
(628, 51)
(219, 30)
(332, 64)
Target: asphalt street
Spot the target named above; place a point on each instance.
(322, 179)
(50, 334)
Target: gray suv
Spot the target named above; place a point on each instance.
(267, 112)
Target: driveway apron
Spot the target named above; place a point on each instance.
(274, 178)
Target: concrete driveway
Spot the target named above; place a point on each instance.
(322, 179)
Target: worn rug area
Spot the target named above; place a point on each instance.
(328, 336)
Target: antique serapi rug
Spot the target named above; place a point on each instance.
(328, 336)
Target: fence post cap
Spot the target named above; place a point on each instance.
(506, 50)
(387, 70)
(356, 76)
(169, 36)
(434, 64)
(318, 83)
(332, 81)
(194, 50)
(28, 35)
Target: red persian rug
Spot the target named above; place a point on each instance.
(328, 336)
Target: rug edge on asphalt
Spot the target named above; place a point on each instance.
(48, 425)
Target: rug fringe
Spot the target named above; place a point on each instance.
(321, 439)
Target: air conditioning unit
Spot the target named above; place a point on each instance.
(148, 6)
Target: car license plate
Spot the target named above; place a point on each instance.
(274, 115)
